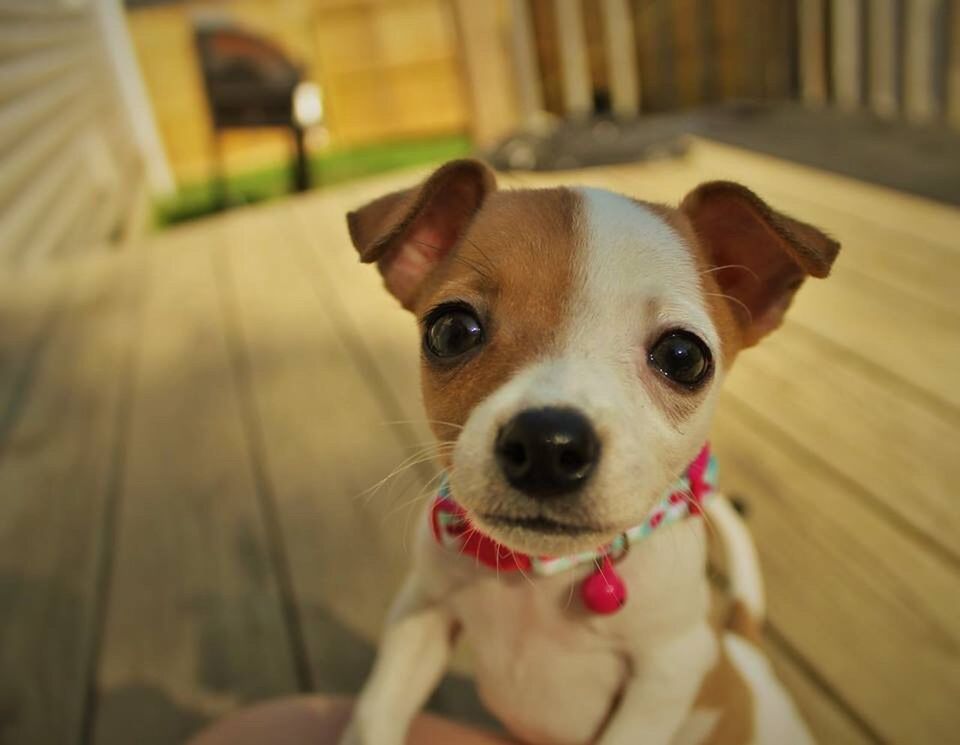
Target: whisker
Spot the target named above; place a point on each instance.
(731, 266)
(733, 299)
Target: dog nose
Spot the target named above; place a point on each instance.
(547, 452)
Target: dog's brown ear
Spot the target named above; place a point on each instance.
(408, 232)
(761, 256)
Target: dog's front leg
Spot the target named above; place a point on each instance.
(413, 655)
(660, 692)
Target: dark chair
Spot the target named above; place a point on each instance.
(249, 82)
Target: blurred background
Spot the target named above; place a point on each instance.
(201, 390)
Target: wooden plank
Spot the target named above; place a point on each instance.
(33, 70)
(17, 37)
(57, 464)
(525, 64)
(953, 67)
(194, 625)
(874, 615)
(920, 104)
(326, 441)
(688, 56)
(24, 215)
(881, 440)
(813, 51)
(574, 60)
(904, 213)
(884, 57)
(829, 724)
(486, 68)
(40, 146)
(19, 117)
(847, 54)
(333, 430)
(648, 41)
(621, 51)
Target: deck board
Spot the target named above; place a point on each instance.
(875, 615)
(330, 435)
(57, 462)
(194, 626)
(276, 382)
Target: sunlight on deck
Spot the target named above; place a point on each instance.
(187, 430)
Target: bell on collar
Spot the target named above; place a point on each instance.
(603, 592)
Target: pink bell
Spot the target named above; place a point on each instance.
(603, 592)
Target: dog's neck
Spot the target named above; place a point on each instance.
(452, 528)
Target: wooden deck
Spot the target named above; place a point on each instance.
(187, 431)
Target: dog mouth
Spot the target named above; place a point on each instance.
(541, 525)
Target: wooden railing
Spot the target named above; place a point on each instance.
(72, 165)
(894, 58)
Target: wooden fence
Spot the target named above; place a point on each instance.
(894, 58)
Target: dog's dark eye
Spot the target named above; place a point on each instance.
(452, 331)
(682, 357)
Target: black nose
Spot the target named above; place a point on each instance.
(547, 452)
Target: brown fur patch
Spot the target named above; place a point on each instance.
(742, 623)
(724, 690)
(516, 265)
(731, 336)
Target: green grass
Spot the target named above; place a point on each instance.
(329, 168)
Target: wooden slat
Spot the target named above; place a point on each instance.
(574, 61)
(486, 66)
(687, 52)
(873, 615)
(903, 213)
(24, 213)
(813, 51)
(620, 45)
(526, 67)
(21, 115)
(953, 67)
(31, 71)
(78, 202)
(352, 426)
(43, 10)
(325, 440)
(40, 147)
(887, 442)
(57, 464)
(846, 53)
(194, 626)
(17, 37)
(920, 102)
(884, 56)
(828, 723)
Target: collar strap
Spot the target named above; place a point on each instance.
(685, 498)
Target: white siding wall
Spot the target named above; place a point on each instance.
(72, 162)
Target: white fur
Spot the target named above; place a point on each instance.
(776, 720)
(551, 671)
(743, 566)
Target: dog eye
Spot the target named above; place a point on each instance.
(682, 357)
(452, 331)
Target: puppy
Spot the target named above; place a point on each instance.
(574, 345)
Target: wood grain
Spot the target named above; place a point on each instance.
(875, 616)
(194, 626)
(57, 462)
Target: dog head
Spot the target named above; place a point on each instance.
(575, 340)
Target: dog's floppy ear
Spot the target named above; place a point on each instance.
(761, 256)
(408, 232)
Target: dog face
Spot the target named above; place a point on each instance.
(575, 340)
